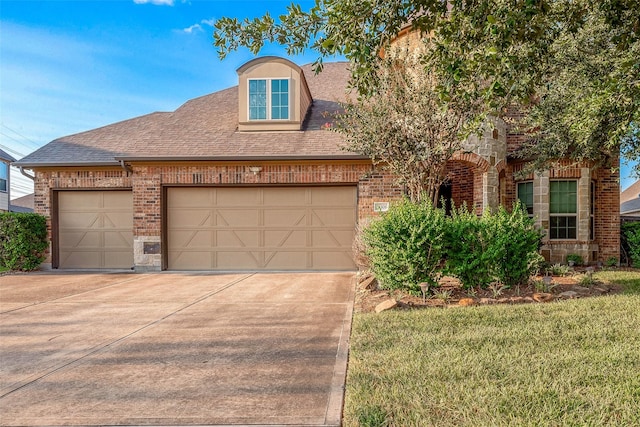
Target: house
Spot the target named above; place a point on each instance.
(630, 201)
(5, 182)
(22, 204)
(249, 178)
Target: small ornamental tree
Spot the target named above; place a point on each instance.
(405, 127)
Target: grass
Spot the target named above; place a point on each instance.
(3, 269)
(570, 363)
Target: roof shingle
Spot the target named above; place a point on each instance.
(206, 127)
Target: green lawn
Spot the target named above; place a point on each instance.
(570, 363)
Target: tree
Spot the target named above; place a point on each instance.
(588, 105)
(405, 127)
(494, 51)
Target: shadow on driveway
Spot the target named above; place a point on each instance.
(174, 349)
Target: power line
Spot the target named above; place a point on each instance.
(22, 136)
(17, 153)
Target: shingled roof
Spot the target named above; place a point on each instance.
(4, 156)
(205, 128)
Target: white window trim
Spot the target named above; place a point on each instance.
(268, 80)
(576, 214)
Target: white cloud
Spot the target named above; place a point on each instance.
(191, 29)
(156, 2)
(198, 27)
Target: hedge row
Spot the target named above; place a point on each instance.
(413, 242)
(23, 240)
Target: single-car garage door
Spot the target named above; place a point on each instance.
(261, 228)
(95, 229)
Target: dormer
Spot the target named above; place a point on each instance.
(272, 95)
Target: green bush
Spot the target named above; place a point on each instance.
(468, 241)
(408, 244)
(405, 245)
(577, 259)
(630, 242)
(23, 240)
(514, 245)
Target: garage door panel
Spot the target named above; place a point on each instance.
(335, 217)
(286, 197)
(285, 217)
(333, 239)
(95, 229)
(197, 218)
(237, 217)
(238, 260)
(262, 228)
(285, 238)
(245, 197)
(79, 239)
(236, 239)
(191, 238)
(332, 260)
(118, 240)
(291, 260)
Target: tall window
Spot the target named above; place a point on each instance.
(525, 195)
(563, 209)
(4, 176)
(268, 99)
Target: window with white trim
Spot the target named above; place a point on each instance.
(4, 176)
(525, 195)
(268, 99)
(563, 209)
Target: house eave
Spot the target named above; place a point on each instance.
(36, 165)
(239, 158)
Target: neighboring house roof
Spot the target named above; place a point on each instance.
(633, 192)
(630, 207)
(6, 157)
(205, 128)
(22, 204)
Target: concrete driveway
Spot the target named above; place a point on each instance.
(174, 348)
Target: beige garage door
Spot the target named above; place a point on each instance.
(95, 229)
(292, 228)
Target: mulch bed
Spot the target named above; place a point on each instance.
(368, 296)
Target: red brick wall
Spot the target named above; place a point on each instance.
(373, 186)
(460, 176)
(607, 214)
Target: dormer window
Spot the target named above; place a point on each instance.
(272, 96)
(268, 99)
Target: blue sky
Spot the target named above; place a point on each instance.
(70, 66)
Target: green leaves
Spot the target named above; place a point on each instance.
(23, 240)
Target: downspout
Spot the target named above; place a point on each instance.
(31, 177)
(126, 168)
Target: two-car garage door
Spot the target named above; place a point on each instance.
(221, 228)
(261, 228)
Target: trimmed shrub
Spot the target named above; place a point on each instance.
(499, 246)
(468, 241)
(23, 240)
(514, 245)
(405, 245)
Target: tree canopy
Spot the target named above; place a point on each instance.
(576, 57)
